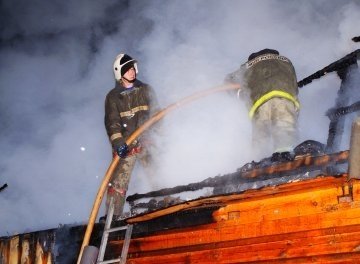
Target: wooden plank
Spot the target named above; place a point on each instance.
(301, 222)
(249, 254)
(295, 240)
(298, 245)
(274, 215)
(314, 202)
(293, 187)
(236, 230)
(343, 258)
(282, 206)
(14, 250)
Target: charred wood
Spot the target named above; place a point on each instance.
(209, 182)
(181, 219)
(356, 39)
(338, 65)
(336, 126)
(3, 187)
(300, 164)
(153, 204)
(335, 113)
(254, 172)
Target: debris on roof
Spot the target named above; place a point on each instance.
(3, 187)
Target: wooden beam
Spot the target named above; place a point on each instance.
(250, 194)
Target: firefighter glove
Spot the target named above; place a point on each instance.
(122, 151)
(120, 147)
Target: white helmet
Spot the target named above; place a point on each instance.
(122, 64)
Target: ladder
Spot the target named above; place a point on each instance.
(105, 236)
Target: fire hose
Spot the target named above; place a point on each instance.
(154, 119)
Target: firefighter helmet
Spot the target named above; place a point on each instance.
(122, 64)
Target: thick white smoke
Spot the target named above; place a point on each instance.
(55, 62)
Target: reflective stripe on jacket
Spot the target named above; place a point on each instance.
(128, 108)
(268, 76)
(269, 96)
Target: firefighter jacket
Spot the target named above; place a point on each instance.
(265, 77)
(128, 108)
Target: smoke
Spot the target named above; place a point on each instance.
(55, 61)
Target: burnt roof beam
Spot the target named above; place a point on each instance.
(337, 66)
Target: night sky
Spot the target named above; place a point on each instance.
(56, 69)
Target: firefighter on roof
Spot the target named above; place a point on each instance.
(270, 86)
(127, 106)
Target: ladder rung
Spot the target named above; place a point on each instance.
(109, 261)
(110, 230)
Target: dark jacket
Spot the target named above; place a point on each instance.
(127, 109)
(264, 77)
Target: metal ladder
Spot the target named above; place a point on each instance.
(104, 239)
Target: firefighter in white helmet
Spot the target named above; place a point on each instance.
(127, 106)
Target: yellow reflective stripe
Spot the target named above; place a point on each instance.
(115, 136)
(270, 95)
(134, 110)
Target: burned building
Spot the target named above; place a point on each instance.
(300, 211)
